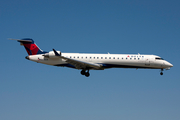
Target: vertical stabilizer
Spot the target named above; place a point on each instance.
(30, 46)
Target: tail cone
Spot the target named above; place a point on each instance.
(27, 57)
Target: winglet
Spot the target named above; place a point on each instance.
(56, 53)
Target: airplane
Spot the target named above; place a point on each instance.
(86, 62)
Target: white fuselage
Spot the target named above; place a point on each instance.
(106, 60)
(86, 62)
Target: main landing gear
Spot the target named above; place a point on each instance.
(86, 73)
(161, 73)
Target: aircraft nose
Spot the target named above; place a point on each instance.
(169, 64)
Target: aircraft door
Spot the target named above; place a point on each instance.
(147, 62)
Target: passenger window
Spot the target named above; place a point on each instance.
(134, 58)
(101, 57)
(113, 57)
(97, 57)
(105, 57)
(109, 57)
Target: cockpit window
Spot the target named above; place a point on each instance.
(158, 58)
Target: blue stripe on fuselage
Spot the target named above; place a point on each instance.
(105, 66)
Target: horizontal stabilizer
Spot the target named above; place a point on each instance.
(22, 40)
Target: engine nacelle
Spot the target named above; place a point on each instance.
(51, 54)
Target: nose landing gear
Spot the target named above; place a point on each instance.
(83, 72)
(161, 73)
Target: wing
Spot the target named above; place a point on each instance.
(79, 64)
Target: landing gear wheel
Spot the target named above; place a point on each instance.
(161, 73)
(87, 74)
(83, 72)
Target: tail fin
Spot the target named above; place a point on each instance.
(30, 46)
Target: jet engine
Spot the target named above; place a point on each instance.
(51, 54)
